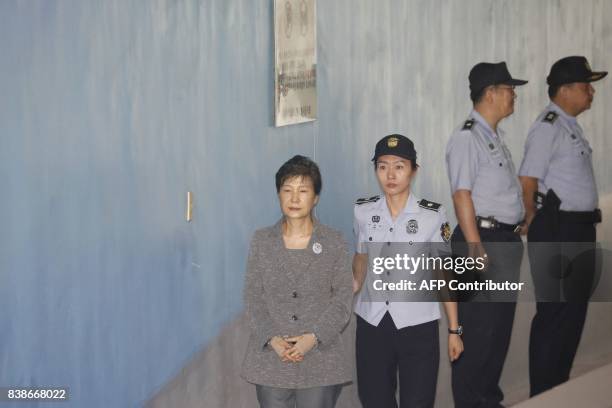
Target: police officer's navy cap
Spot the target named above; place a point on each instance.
(396, 145)
(573, 69)
(486, 74)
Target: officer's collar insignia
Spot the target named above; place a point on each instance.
(445, 231)
(412, 227)
(367, 200)
(429, 205)
(468, 124)
(392, 142)
(317, 248)
(376, 218)
(550, 117)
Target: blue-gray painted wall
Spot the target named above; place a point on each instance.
(110, 111)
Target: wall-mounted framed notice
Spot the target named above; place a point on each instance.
(295, 61)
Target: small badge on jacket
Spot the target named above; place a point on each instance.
(412, 227)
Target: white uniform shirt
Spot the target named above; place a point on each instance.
(560, 157)
(373, 223)
(478, 160)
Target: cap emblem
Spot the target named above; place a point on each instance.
(392, 142)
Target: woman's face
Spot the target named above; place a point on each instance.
(297, 197)
(394, 174)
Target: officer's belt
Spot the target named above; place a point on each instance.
(577, 217)
(491, 223)
(580, 217)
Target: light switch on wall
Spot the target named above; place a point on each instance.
(189, 211)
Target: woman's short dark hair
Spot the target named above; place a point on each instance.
(299, 166)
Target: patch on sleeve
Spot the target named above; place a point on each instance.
(550, 117)
(468, 125)
(429, 205)
(372, 199)
(445, 231)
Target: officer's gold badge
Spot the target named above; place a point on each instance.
(392, 142)
(445, 232)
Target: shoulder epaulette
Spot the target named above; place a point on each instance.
(468, 124)
(429, 205)
(550, 117)
(372, 199)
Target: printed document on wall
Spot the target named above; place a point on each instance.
(295, 61)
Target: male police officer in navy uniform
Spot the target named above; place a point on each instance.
(488, 204)
(557, 171)
(398, 335)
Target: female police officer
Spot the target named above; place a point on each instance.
(392, 335)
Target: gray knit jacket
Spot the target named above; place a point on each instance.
(291, 292)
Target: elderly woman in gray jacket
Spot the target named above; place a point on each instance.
(298, 295)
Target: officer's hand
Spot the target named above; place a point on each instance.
(280, 346)
(303, 344)
(455, 346)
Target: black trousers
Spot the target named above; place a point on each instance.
(383, 349)
(487, 325)
(563, 275)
